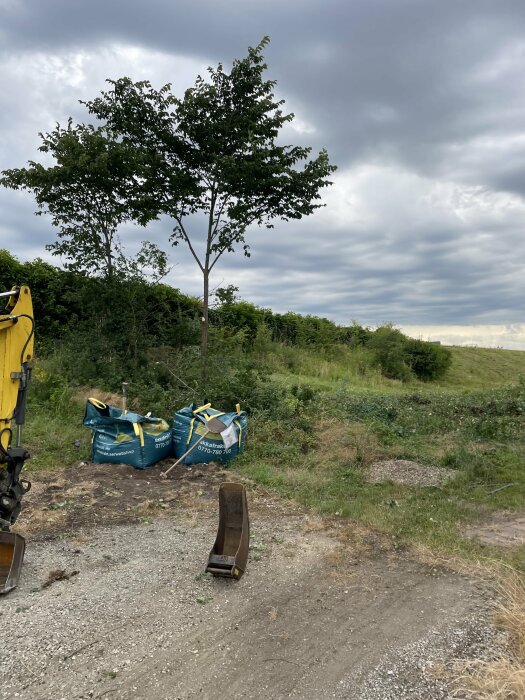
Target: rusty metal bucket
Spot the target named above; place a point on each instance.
(12, 547)
(229, 554)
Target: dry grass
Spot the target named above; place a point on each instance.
(190, 519)
(36, 520)
(273, 614)
(344, 442)
(84, 393)
(502, 678)
(510, 613)
(487, 569)
(314, 523)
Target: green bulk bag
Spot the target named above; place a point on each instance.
(126, 438)
(189, 424)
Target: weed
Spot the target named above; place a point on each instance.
(203, 577)
(203, 600)
(319, 417)
(108, 674)
(257, 546)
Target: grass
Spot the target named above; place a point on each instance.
(54, 428)
(471, 422)
(320, 456)
(471, 368)
(481, 368)
(326, 368)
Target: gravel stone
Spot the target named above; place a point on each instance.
(403, 471)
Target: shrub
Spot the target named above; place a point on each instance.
(427, 361)
(403, 358)
(388, 344)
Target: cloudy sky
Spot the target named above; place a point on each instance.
(420, 103)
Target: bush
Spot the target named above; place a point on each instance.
(403, 358)
(428, 362)
(388, 344)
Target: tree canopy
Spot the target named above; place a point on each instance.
(215, 152)
(91, 189)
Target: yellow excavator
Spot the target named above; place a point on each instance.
(17, 331)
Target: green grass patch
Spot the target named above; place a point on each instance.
(479, 434)
(478, 368)
(54, 428)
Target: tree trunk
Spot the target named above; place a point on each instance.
(108, 253)
(205, 300)
(204, 329)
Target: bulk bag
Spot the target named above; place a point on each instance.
(189, 424)
(126, 438)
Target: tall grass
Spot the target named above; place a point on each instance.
(53, 435)
(324, 368)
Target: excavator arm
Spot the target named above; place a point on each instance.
(16, 353)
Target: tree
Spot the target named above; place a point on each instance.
(216, 153)
(92, 189)
(226, 296)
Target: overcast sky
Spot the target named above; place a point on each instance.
(420, 103)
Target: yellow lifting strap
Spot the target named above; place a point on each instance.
(192, 422)
(137, 427)
(206, 417)
(215, 415)
(97, 403)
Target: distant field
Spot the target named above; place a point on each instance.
(481, 367)
(472, 368)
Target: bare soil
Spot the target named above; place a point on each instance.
(504, 530)
(113, 601)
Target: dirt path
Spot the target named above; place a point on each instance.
(312, 618)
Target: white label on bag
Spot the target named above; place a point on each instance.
(229, 436)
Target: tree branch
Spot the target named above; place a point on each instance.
(216, 258)
(211, 221)
(187, 239)
(218, 220)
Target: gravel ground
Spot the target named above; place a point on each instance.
(310, 619)
(403, 471)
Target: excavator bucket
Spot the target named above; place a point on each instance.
(229, 554)
(12, 549)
